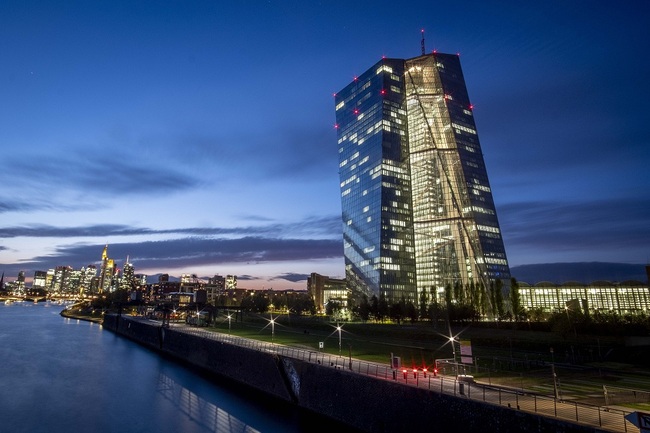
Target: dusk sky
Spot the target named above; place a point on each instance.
(198, 136)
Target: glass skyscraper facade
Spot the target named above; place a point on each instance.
(418, 212)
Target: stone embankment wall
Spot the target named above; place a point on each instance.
(363, 402)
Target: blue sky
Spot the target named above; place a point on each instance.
(197, 136)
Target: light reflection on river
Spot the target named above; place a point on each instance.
(63, 375)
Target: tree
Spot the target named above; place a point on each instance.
(423, 304)
(411, 311)
(374, 307)
(364, 308)
(498, 297)
(515, 299)
(382, 307)
(256, 302)
(332, 307)
(484, 300)
(448, 296)
(396, 312)
(301, 303)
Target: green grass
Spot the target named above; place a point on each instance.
(503, 353)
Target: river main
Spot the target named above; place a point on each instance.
(65, 375)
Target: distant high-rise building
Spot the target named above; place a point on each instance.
(215, 288)
(231, 282)
(89, 276)
(127, 282)
(418, 213)
(61, 279)
(106, 273)
(40, 279)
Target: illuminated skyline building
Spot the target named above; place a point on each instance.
(417, 207)
(127, 281)
(106, 272)
(40, 280)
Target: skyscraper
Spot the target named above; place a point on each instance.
(106, 273)
(417, 207)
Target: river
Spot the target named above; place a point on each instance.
(65, 375)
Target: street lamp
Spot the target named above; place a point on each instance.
(338, 328)
(453, 347)
(452, 339)
(272, 329)
(554, 375)
(229, 317)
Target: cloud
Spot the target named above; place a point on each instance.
(570, 230)
(317, 226)
(294, 278)
(247, 277)
(113, 175)
(185, 253)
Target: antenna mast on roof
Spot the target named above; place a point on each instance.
(423, 42)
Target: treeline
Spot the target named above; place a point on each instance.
(462, 303)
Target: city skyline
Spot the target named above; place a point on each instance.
(199, 138)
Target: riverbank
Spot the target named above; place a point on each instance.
(75, 314)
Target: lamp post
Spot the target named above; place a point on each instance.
(338, 328)
(350, 354)
(229, 317)
(453, 350)
(553, 372)
(272, 330)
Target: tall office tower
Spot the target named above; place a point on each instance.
(417, 205)
(106, 273)
(39, 281)
(89, 275)
(378, 237)
(61, 279)
(127, 282)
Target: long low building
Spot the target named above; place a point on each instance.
(622, 298)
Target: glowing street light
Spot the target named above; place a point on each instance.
(272, 322)
(453, 347)
(229, 317)
(338, 328)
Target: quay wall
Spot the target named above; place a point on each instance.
(363, 402)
